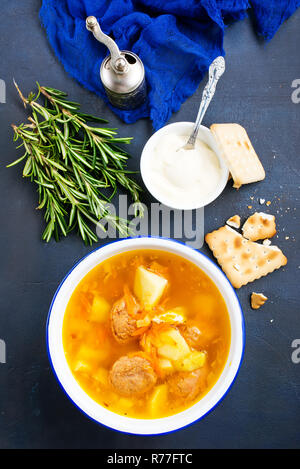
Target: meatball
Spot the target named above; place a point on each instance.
(132, 376)
(188, 384)
(192, 335)
(122, 324)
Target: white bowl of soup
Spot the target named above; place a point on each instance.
(145, 335)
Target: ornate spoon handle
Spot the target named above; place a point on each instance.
(216, 70)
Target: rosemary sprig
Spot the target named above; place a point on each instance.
(72, 163)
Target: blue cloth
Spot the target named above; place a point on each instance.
(176, 40)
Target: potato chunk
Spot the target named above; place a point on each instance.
(148, 287)
(100, 309)
(173, 347)
(90, 355)
(101, 376)
(191, 362)
(158, 399)
(165, 365)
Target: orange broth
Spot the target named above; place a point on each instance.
(91, 349)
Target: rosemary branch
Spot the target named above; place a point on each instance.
(72, 163)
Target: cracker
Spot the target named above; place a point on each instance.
(259, 226)
(234, 221)
(258, 300)
(243, 261)
(238, 154)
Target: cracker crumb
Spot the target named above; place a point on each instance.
(257, 300)
(234, 221)
(287, 237)
(267, 242)
(249, 206)
(262, 201)
(268, 203)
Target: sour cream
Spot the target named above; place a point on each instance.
(183, 177)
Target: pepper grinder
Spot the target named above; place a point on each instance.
(122, 72)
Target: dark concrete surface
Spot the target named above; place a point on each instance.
(262, 410)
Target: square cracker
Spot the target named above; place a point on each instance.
(259, 226)
(243, 261)
(238, 154)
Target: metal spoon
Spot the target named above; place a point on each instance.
(216, 70)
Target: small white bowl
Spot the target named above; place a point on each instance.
(182, 128)
(79, 397)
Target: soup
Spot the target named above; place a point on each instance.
(146, 334)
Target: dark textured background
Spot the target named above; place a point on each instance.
(263, 407)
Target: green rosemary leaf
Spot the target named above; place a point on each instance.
(44, 184)
(80, 158)
(61, 221)
(28, 167)
(17, 161)
(53, 91)
(90, 118)
(121, 139)
(57, 165)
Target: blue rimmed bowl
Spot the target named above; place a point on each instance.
(81, 399)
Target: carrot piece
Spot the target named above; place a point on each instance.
(131, 304)
(140, 331)
(84, 303)
(158, 268)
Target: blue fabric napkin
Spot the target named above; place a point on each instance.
(176, 40)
